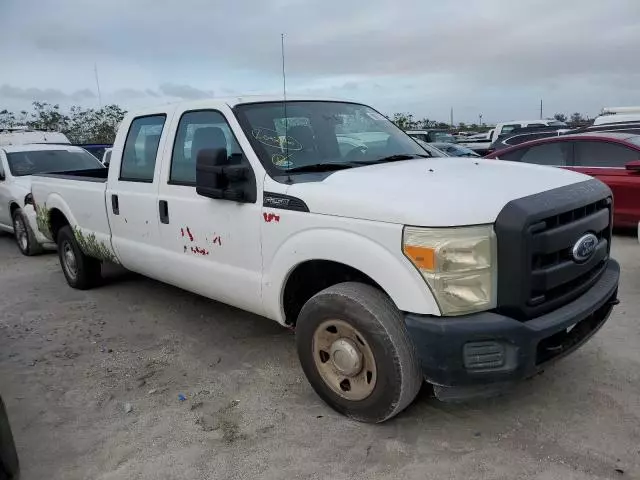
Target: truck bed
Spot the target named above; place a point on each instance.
(79, 196)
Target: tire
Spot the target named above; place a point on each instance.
(81, 271)
(386, 383)
(9, 465)
(25, 238)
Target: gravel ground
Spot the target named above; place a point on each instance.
(93, 381)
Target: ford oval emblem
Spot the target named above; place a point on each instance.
(584, 247)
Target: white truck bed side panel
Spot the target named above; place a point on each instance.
(81, 202)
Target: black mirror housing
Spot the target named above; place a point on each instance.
(217, 178)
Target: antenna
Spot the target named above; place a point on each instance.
(95, 70)
(284, 105)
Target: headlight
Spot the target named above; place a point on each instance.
(459, 264)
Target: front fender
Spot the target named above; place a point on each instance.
(391, 270)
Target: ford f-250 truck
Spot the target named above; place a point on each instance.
(391, 267)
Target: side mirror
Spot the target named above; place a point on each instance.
(217, 178)
(633, 166)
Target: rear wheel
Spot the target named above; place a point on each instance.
(81, 271)
(356, 353)
(25, 238)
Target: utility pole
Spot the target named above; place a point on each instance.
(451, 117)
(480, 117)
(540, 109)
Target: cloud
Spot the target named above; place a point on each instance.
(500, 55)
(45, 95)
(185, 92)
(132, 93)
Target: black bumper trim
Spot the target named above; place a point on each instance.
(440, 341)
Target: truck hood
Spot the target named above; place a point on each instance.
(434, 192)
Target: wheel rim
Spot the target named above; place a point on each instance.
(344, 360)
(69, 262)
(20, 231)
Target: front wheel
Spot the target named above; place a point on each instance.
(81, 271)
(356, 353)
(25, 238)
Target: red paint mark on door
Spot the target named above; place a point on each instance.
(199, 251)
(271, 217)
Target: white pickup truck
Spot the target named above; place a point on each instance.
(392, 267)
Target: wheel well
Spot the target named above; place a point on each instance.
(13, 207)
(313, 276)
(57, 220)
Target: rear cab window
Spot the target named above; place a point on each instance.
(141, 149)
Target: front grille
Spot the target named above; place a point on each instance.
(536, 234)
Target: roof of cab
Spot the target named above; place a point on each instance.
(216, 102)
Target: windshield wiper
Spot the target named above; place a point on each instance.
(319, 167)
(396, 158)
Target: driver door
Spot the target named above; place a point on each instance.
(210, 246)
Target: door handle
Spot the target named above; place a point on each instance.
(114, 205)
(164, 211)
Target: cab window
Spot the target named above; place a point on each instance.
(198, 130)
(509, 128)
(141, 149)
(604, 154)
(552, 154)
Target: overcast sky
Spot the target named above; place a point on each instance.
(492, 57)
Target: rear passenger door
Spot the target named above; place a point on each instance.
(606, 161)
(132, 194)
(211, 246)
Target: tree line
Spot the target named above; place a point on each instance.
(406, 121)
(88, 125)
(80, 125)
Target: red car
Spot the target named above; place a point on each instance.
(613, 158)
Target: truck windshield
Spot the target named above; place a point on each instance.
(50, 161)
(317, 133)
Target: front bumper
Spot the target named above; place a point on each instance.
(489, 348)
